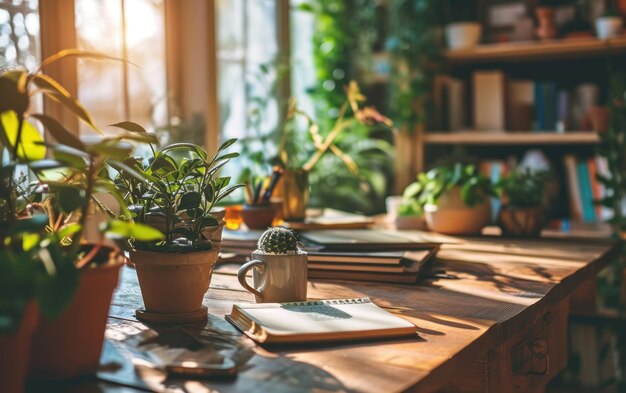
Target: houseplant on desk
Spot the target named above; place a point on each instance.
(175, 191)
(298, 161)
(522, 212)
(455, 199)
(43, 256)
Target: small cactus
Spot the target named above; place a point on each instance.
(278, 240)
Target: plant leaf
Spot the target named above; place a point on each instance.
(59, 132)
(129, 126)
(118, 229)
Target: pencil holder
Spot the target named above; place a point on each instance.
(258, 217)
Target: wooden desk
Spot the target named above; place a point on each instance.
(501, 326)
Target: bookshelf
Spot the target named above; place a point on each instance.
(510, 138)
(538, 50)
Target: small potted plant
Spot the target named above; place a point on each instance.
(410, 214)
(463, 31)
(176, 191)
(280, 268)
(455, 199)
(522, 212)
(609, 25)
(258, 212)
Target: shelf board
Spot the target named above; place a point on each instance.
(510, 138)
(537, 50)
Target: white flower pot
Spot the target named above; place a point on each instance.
(452, 217)
(463, 35)
(608, 27)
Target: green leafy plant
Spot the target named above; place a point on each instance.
(432, 185)
(278, 240)
(175, 191)
(416, 57)
(43, 222)
(522, 189)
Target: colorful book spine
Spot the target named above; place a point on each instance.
(540, 106)
(569, 162)
(584, 184)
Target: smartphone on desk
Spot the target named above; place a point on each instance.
(191, 369)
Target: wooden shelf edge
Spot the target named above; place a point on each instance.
(510, 138)
(538, 49)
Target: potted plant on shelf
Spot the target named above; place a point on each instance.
(455, 199)
(522, 213)
(295, 179)
(609, 25)
(463, 31)
(71, 281)
(175, 191)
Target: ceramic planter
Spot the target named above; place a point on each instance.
(15, 351)
(521, 222)
(608, 27)
(463, 35)
(452, 217)
(276, 278)
(295, 192)
(71, 345)
(547, 25)
(173, 284)
(410, 222)
(258, 217)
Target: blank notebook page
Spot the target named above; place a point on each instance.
(324, 316)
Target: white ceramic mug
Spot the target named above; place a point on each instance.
(276, 278)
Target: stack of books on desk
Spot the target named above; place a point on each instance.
(371, 255)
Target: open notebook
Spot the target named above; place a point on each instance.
(315, 321)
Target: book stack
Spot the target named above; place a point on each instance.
(240, 242)
(585, 189)
(372, 255)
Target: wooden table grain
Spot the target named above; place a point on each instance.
(485, 330)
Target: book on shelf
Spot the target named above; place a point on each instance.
(489, 100)
(585, 189)
(318, 321)
(497, 103)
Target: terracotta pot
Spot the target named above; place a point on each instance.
(295, 193)
(452, 217)
(258, 217)
(600, 117)
(71, 345)
(174, 283)
(521, 222)
(15, 351)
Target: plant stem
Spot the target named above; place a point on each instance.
(337, 128)
(20, 125)
(85, 208)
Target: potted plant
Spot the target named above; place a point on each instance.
(522, 193)
(175, 191)
(455, 199)
(259, 212)
(609, 25)
(280, 268)
(463, 32)
(294, 187)
(47, 226)
(410, 214)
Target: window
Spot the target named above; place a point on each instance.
(131, 29)
(19, 33)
